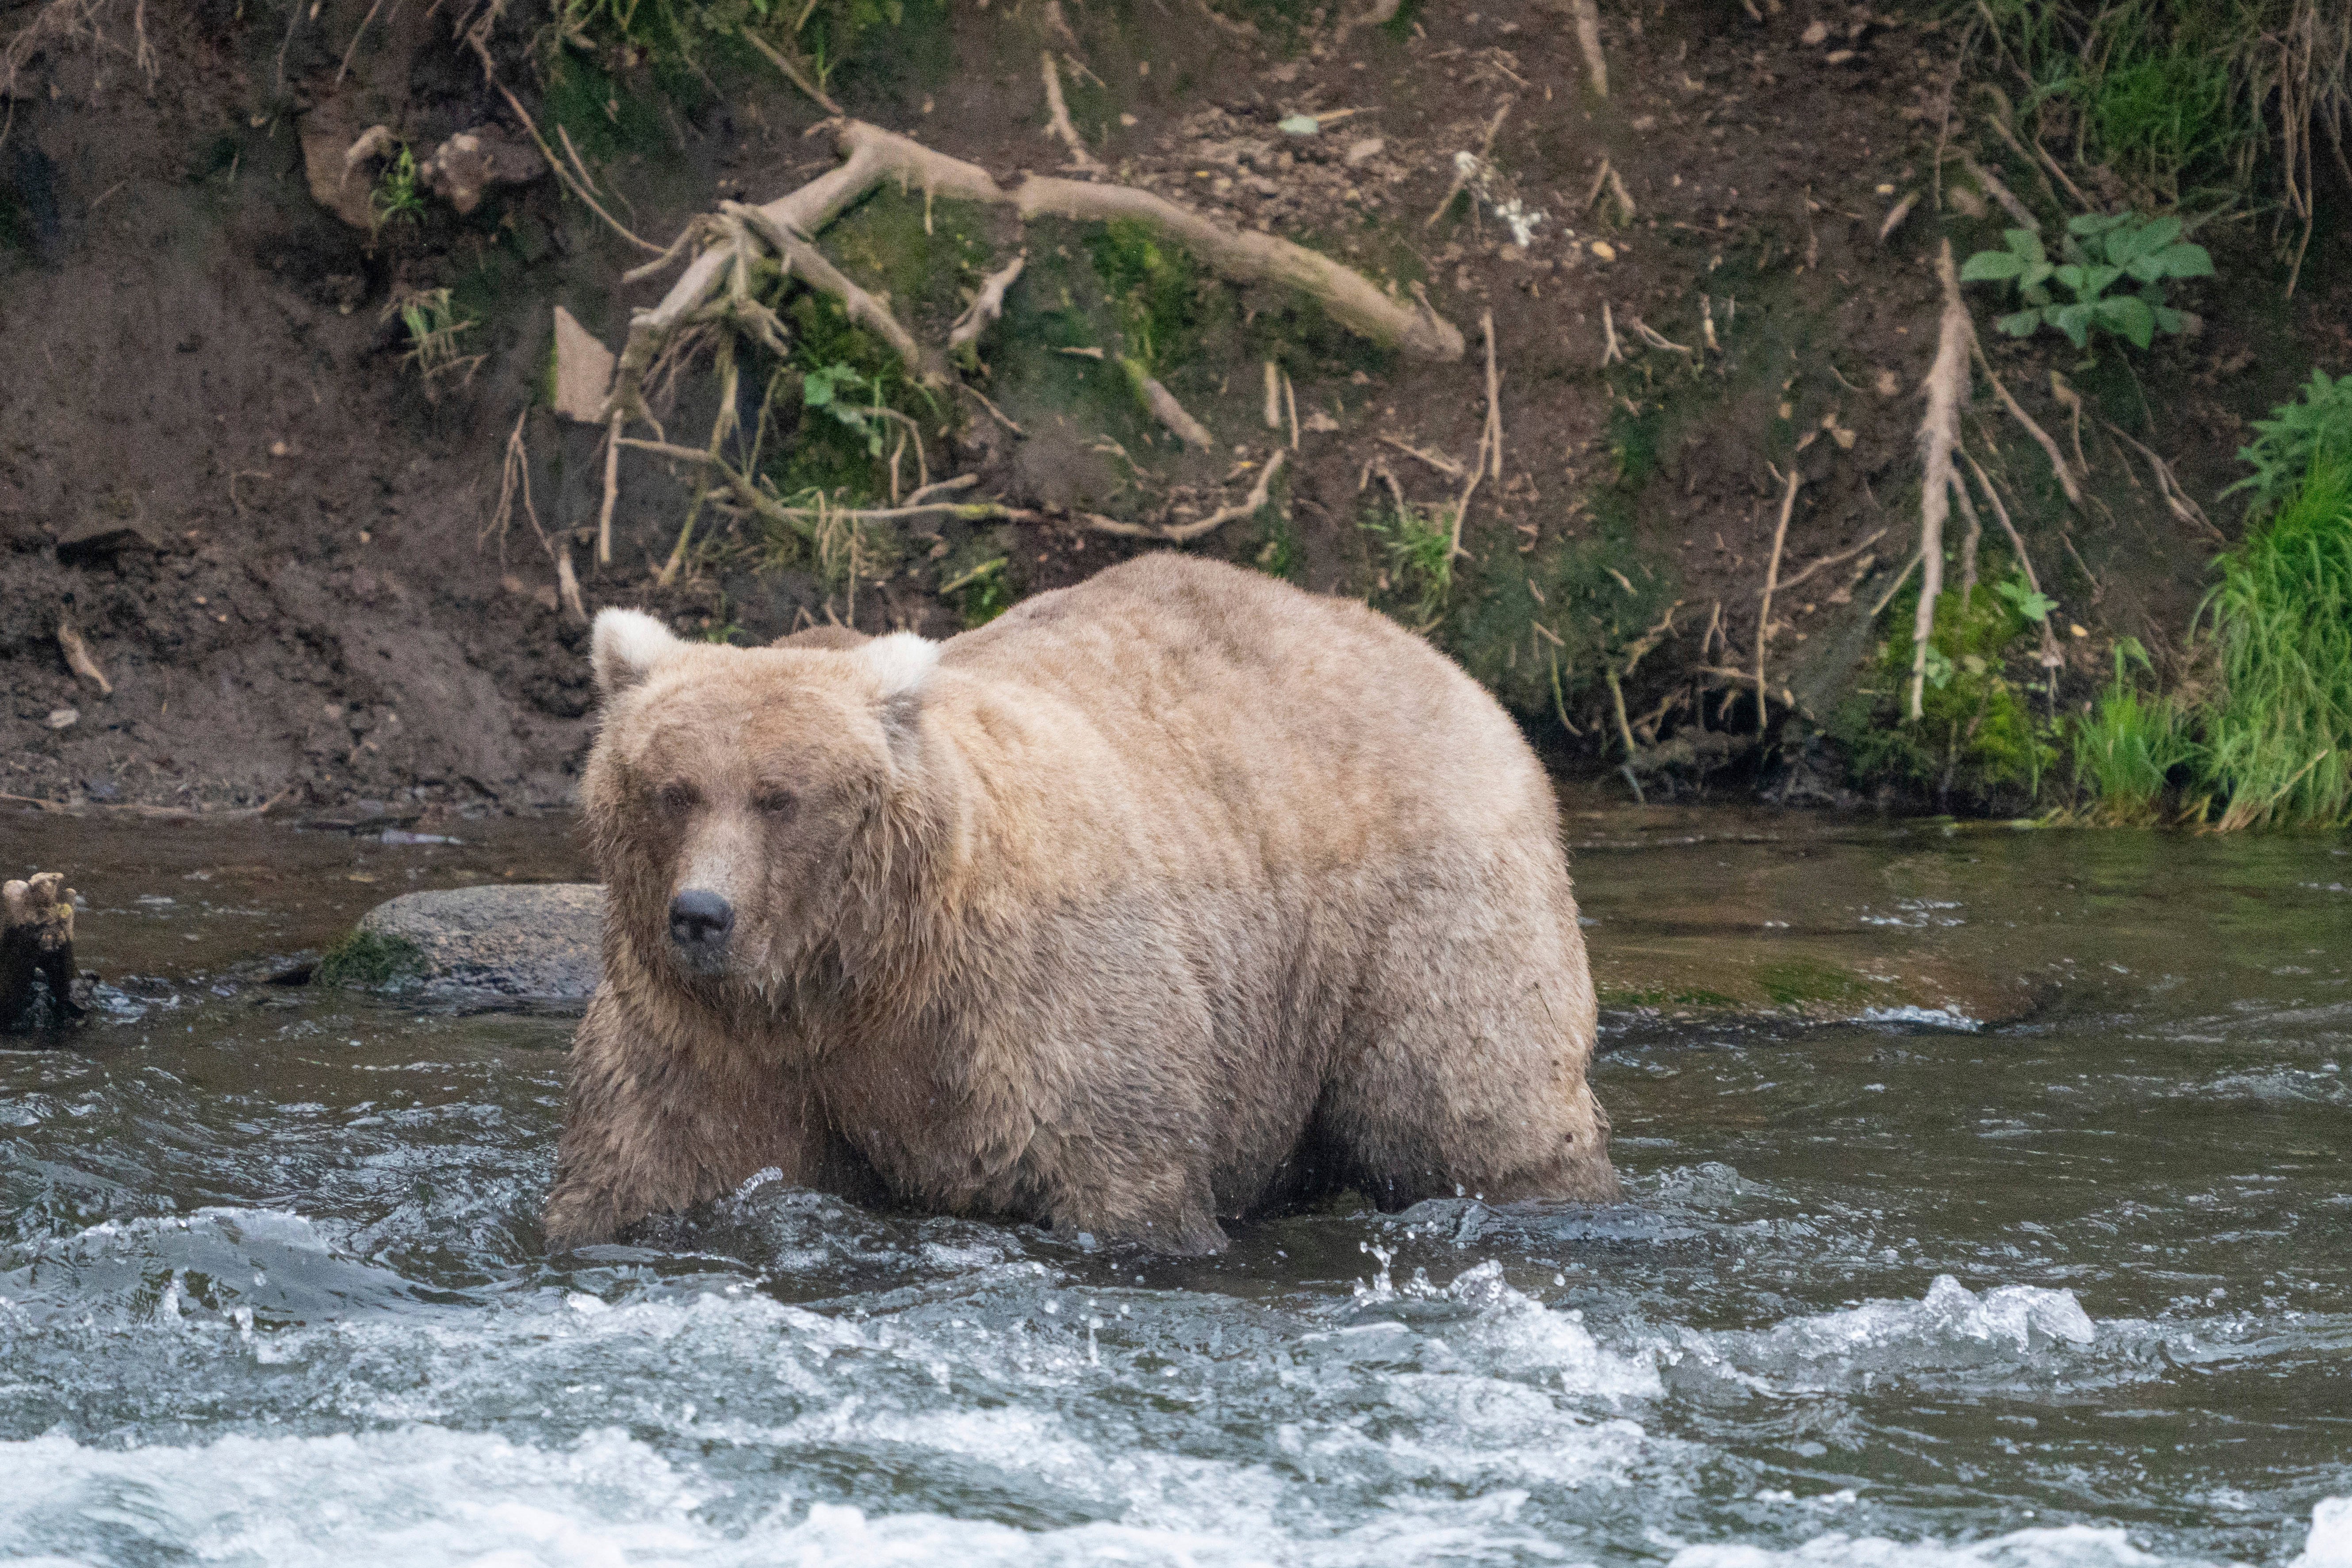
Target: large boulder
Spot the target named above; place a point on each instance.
(530, 942)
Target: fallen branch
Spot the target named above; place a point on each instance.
(986, 306)
(1771, 582)
(1248, 507)
(1611, 353)
(1164, 406)
(2017, 210)
(1587, 16)
(1656, 339)
(1939, 433)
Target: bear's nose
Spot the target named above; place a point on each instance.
(699, 920)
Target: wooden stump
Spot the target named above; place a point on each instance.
(41, 989)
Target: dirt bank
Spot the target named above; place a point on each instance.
(221, 466)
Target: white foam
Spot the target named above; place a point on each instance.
(2065, 1546)
(1928, 1018)
(2329, 1545)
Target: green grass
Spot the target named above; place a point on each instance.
(2279, 739)
(1416, 546)
(2181, 99)
(1795, 982)
(2128, 746)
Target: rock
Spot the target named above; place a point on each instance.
(100, 540)
(583, 370)
(1363, 151)
(534, 943)
(471, 161)
(333, 151)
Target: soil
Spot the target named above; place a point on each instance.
(275, 536)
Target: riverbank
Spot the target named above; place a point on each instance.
(282, 524)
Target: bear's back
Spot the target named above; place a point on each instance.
(1271, 693)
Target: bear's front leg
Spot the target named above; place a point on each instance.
(654, 1121)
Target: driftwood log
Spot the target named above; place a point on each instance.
(40, 990)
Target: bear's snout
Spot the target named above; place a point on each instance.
(699, 920)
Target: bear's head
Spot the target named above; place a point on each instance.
(731, 789)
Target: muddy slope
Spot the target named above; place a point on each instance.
(273, 535)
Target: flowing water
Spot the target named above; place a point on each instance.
(2040, 1256)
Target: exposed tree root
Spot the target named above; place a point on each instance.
(1248, 507)
(1764, 627)
(1939, 434)
(1057, 121)
(986, 306)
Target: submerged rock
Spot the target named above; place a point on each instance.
(534, 943)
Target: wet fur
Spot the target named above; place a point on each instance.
(1156, 903)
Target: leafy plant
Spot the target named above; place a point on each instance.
(2279, 741)
(2126, 748)
(2286, 444)
(1419, 544)
(2098, 252)
(394, 197)
(822, 389)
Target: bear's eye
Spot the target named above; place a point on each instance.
(779, 804)
(676, 799)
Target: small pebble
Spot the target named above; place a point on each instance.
(1604, 250)
(64, 718)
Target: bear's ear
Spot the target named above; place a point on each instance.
(627, 645)
(901, 663)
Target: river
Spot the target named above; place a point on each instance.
(1989, 1202)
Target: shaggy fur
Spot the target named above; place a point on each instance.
(1156, 903)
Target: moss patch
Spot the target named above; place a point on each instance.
(369, 961)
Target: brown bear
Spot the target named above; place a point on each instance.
(1154, 903)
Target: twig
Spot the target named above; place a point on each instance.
(792, 73)
(1057, 123)
(1624, 730)
(344, 69)
(1611, 353)
(1195, 529)
(567, 584)
(2066, 481)
(2017, 210)
(1895, 587)
(1771, 582)
(612, 489)
(864, 309)
(1290, 403)
(2175, 499)
(986, 306)
(1464, 172)
(1273, 396)
(943, 487)
(1438, 460)
(1653, 339)
(570, 179)
(1789, 583)
(993, 411)
(1493, 400)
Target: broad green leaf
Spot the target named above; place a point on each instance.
(2021, 324)
(2026, 601)
(2075, 320)
(2033, 276)
(2025, 243)
(1992, 267)
(2129, 316)
(2168, 320)
(2096, 279)
(2089, 224)
(2186, 261)
(2035, 294)
(2156, 236)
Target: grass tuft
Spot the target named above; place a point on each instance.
(2279, 741)
(2126, 748)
